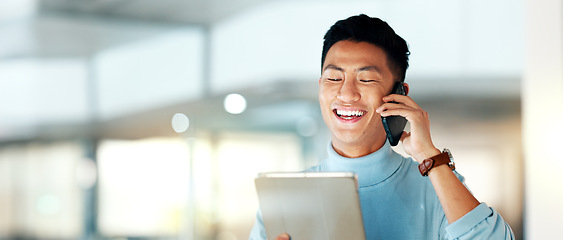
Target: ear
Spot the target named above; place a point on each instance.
(406, 85)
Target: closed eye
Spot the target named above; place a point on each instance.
(334, 79)
(368, 80)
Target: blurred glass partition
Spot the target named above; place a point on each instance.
(145, 188)
(39, 194)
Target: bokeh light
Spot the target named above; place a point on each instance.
(180, 122)
(235, 103)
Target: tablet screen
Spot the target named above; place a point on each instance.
(310, 205)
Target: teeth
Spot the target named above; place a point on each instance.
(349, 113)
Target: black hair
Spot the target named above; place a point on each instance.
(362, 28)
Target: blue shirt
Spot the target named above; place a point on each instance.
(398, 203)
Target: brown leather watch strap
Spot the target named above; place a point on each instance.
(428, 164)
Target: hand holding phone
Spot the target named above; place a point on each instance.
(394, 125)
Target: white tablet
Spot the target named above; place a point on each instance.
(311, 205)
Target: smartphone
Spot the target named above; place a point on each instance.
(394, 125)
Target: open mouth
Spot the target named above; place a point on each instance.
(349, 114)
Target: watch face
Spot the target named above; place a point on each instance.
(449, 154)
(452, 163)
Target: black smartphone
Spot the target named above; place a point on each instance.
(394, 125)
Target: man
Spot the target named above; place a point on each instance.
(362, 60)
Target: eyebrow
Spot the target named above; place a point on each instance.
(361, 69)
(368, 68)
(330, 66)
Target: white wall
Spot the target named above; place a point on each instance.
(126, 67)
(157, 72)
(282, 40)
(543, 117)
(41, 91)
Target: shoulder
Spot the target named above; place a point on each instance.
(411, 178)
(411, 168)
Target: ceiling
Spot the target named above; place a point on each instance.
(202, 12)
(81, 28)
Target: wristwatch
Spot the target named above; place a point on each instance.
(443, 158)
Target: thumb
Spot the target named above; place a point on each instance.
(405, 135)
(283, 236)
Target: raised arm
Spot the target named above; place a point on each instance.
(455, 198)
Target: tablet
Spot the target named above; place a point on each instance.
(310, 205)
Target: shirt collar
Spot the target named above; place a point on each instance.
(371, 169)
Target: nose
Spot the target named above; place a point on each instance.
(348, 92)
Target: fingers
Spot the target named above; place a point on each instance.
(405, 135)
(283, 236)
(386, 110)
(399, 105)
(402, 99)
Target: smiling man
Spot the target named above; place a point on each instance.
(422, 197)
(355, 79)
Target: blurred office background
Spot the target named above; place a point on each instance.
(139, 119)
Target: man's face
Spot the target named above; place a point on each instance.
(354, 80)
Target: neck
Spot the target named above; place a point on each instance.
(359, 149)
